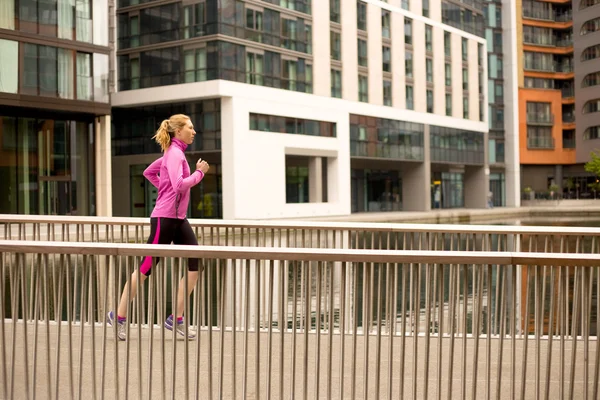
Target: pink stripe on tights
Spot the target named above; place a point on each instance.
(147, 263)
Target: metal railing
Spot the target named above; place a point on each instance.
(540, 142)
(321, 234)
(311, 323)
(540, 119)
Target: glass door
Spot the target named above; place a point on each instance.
(55, 196)
(53, 161)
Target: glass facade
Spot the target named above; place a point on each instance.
(449, 145)
(385, 138)
(469, 19)
(47, 164)
(299, 126)
(133, 128)
(376, 190)
(215, 60)
(63, 19)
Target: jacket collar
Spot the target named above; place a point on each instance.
(180, 144)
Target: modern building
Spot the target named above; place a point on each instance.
(388, 113)
(313, 108)
(559, 105)
(54, 107)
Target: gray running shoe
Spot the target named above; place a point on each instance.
(110, 318)
(180, 329)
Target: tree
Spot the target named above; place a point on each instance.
(593, 166)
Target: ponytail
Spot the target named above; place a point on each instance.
(167, 129)
(162, 136)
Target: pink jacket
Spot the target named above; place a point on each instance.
(171, 175)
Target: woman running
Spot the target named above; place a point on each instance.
(171, 175)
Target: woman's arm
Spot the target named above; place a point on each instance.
(151, 173)
(175, 168)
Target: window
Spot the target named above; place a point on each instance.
(254, 24)
(465, 50)
(362, 53)
(539, 113)
(9, 67)
(591, 106)
(194, 20)
(336, 83)
(480, 55)
(428, 38)
(466, 107)
(407, 31)
(410, 100)
(593, 132)
(539, 61)
(308, 38)
(588, 3)
(592, 79)
(429, 70)
(296, 126)
(254, 68)
(481, 110)
(405, 4)
(289, 74)
(336, 45)
(387, 59)
(386, 24)
(465, 79)
(591, 53)
(334, 11)
(429, 101)
(539, 137)
(591, 26)
(289, 33)
(408, 64)
(387, 92)
(196, 68)
(447, 44)
(448, 74)
(456, 145)
(84, 76)
(308, 80)
(539, 83)
(298, 5)
(135, 73)
(296, 179)
(361, 16)
(363, 88)
(449, 104)
(385, 138)
(425, 8)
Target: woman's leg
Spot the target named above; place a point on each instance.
(160, 233)
(186, 236)
(122, 310)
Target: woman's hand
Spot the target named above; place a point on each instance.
(202, 166)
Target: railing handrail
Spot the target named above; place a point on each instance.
(295, 224)
(300, 254)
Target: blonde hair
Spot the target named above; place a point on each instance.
(167, 129)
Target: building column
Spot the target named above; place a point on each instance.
(477, 186)
(558, 177)
(103, 167)
(315, 180)
(416, 180)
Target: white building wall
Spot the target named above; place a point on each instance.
(321, 49)
(511, 104)
(375, 54)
